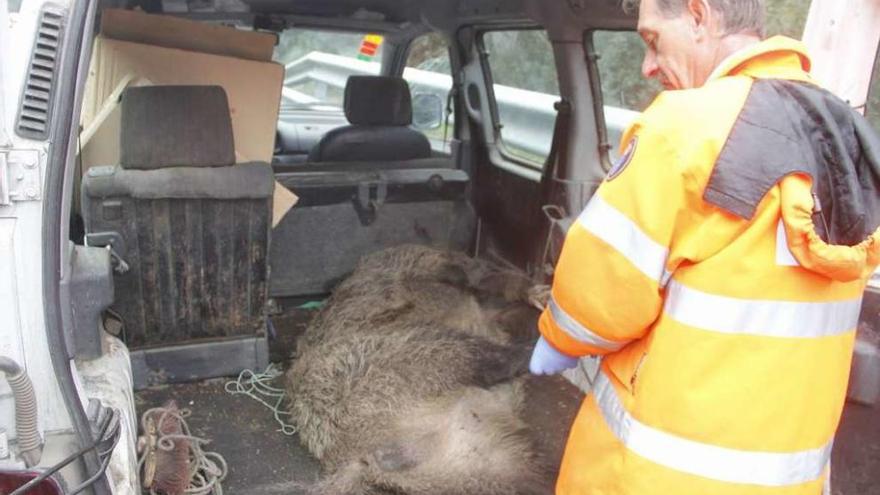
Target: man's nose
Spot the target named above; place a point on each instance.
(649, 66)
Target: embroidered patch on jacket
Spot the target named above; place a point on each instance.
(624, 159)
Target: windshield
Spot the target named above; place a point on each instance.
(318, 63)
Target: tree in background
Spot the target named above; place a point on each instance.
(620, 55)
(429, 52)
(872, 111)
(295, 43)
(522, 59)
(787, 17)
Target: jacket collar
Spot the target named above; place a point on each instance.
(778, 57)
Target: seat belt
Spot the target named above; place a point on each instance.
(449, 97)
(558, 147)
(558, 154)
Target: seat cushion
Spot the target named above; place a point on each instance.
(371, 143)
(175, 126)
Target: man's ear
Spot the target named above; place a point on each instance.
(700, 15)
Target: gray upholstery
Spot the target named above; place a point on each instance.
(175, 126)
(245, 181)
(194, 240)
(380, 112)
(315, 247)
(417, 164)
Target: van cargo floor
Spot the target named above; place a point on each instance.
(263, 461)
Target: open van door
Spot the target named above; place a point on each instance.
(542, 145)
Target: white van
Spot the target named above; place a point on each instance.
(126, 282)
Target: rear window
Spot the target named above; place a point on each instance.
(317, 64)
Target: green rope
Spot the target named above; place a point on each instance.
(257, 386)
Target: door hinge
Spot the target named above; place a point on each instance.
(19, 176)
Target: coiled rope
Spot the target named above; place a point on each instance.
(206, 469)
(257, 386)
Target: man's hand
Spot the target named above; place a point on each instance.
(548, 361)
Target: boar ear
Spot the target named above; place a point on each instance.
(394, 457)
(504, 285)
(452, 274)
(501, 363)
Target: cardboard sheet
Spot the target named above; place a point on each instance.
(253, 88)
(173, 32)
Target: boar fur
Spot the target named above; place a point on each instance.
(406, 381)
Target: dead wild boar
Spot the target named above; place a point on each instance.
(471, 442)
(406, 381)
(418, 410)
(371, 306)
(485, 280)
(415, 284)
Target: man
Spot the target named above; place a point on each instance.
(719, 270)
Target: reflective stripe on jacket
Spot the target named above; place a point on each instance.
(727, 340)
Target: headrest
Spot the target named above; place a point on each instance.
(175, 126)
(377, 100)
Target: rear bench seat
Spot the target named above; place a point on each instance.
(348, 209)
(190, 230)
(367, 186)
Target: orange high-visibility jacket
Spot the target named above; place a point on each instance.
(725, 314)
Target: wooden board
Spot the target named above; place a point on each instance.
(173, 32)
(842, 37)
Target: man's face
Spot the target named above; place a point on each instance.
(673, 51)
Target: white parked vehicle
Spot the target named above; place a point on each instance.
(115, 279)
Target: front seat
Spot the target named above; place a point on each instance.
(380, 112)
(189, 231)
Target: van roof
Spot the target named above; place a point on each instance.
(405, 15)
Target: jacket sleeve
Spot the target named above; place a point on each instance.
(607, 289)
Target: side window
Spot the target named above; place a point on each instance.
(428, 72)
(525, 89)
(624, 91)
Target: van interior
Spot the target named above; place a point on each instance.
(237, 158)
